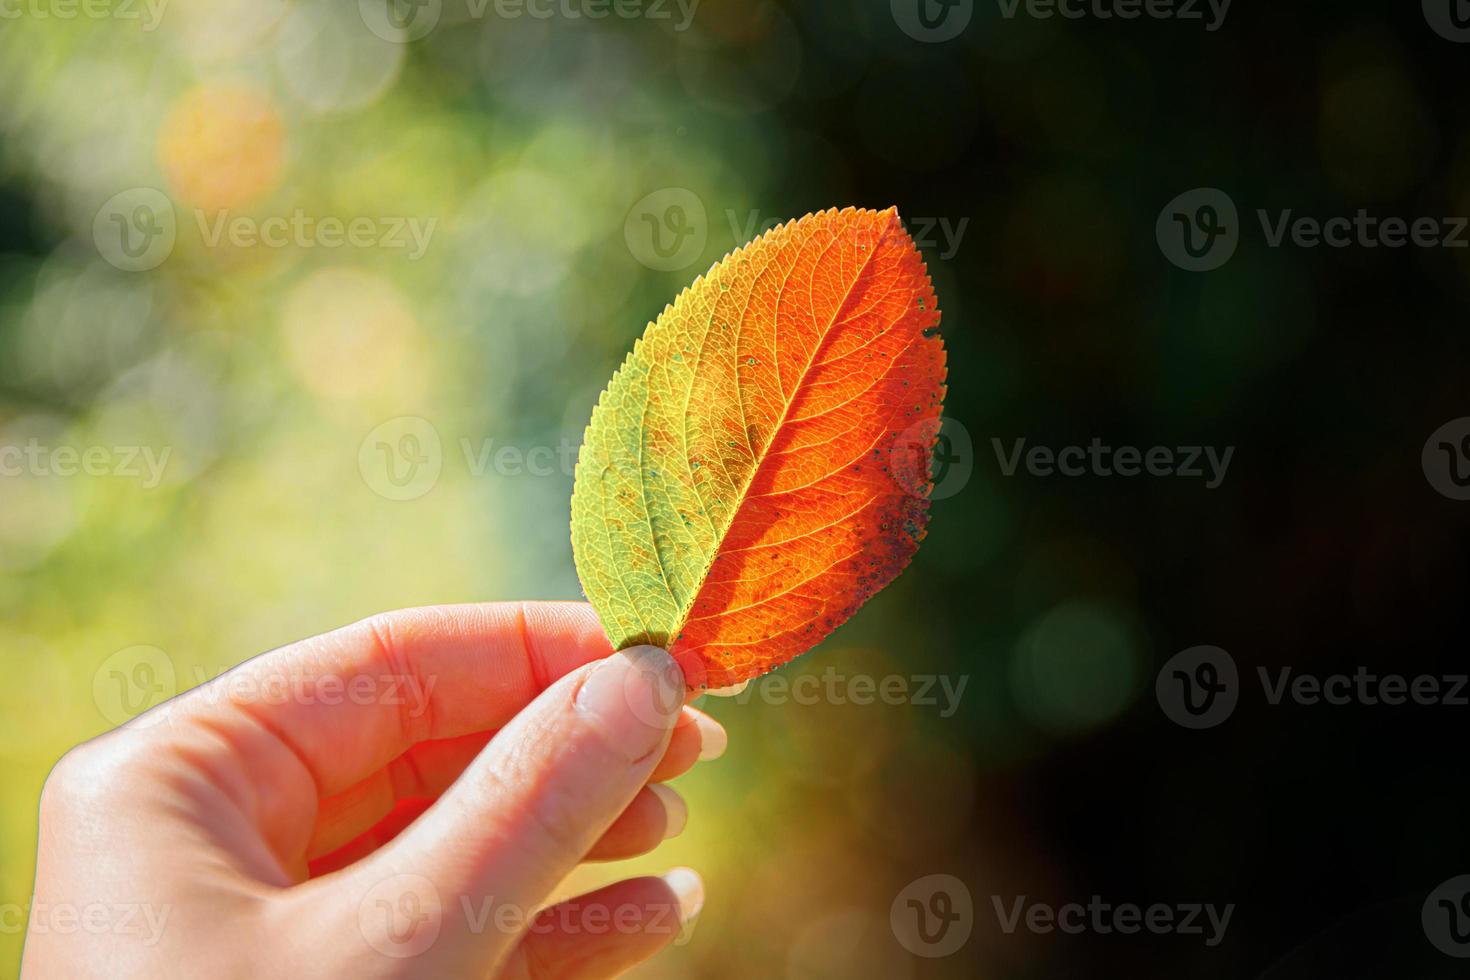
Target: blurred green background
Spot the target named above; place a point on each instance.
(339, 427)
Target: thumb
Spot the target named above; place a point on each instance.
(527, 810)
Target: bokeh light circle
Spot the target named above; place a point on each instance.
(222, 146)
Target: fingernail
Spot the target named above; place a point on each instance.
(676, 811)
(728, 692)
(712, 738)
(632, 698)
(689, 889)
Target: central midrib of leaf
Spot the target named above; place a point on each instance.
(827, 332)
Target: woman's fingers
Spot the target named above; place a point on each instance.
(713, 739)
(349, 702)
(552, 781)
(423, 772)
(657, 813)
(428, 769)
(325, 714)
(523, 814)
(697, 738)
(606, 932)
(403, 813)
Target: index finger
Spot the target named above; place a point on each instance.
(348, 702)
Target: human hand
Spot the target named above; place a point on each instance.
(396, 798)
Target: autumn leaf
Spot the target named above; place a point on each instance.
(759, 465)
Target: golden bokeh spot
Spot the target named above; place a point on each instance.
(222, 146)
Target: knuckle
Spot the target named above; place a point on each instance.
(68, 778)
(88, 772)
